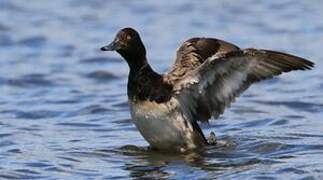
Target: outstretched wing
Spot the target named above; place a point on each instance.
(211, 87)
(194, 52)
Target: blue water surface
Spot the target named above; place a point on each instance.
(63, 103)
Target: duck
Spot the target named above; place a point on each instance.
(207, 76)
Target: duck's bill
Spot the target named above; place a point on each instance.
(111, 47)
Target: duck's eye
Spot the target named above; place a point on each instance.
(128, 37)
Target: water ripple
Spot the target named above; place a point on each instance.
(30, 80)
(34, 42)
(101, 75)
(100, 60)
(296, 105)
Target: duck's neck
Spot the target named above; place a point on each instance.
(139, 67)
(137, 63)
(143, 82)
(141, 72)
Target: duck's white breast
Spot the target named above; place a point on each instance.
(162, 124)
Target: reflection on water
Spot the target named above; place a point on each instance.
(63, 104)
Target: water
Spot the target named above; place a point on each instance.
(63, 104)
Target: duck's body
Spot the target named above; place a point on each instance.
(158, 115)
(207, 76)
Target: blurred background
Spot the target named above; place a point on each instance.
(63, 104)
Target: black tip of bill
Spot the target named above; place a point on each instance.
(104, 48)
(111, 47)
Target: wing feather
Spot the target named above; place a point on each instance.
(194, 52)
(211, 87)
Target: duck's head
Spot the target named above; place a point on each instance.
(128, 44)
